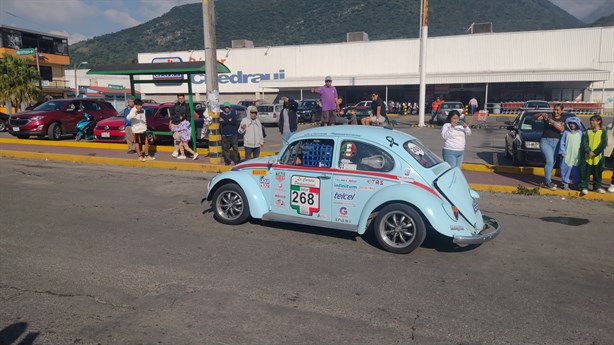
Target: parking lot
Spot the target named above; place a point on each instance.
(126, 256)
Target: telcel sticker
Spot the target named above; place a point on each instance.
(305, 194)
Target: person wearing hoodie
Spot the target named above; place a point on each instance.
(570, 152)
(288, 120)
(594, 141)
(230, 139)
(253, 134)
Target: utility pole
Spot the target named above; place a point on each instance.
(424, 26)
(213, 94)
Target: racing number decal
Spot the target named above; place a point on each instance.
(305, 194)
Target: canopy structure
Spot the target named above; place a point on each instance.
(183, 68)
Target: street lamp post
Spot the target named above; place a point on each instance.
(76, 67)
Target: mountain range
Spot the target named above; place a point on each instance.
(293, 22)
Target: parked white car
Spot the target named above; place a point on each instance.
(269, 113)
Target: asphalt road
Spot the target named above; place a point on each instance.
(112, 255)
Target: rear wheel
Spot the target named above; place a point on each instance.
(230, 205)
(54, 131)
(2, 126)
(399, 228)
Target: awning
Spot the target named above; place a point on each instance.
(156, 68)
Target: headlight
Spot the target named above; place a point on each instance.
(36, 118)
(532, 144)
(121, 128)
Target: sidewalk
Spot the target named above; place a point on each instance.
(482, 177)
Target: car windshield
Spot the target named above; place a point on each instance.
(421, 153)
(537, 105)
(51, 105)
(265, 108)
(149, 111)
(307, 104)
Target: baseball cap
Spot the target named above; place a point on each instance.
(328, 78)
(226, 105)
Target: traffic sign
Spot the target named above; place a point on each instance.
(115, 87)
(25, 52)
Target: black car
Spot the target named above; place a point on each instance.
(522, 140)
(4, 121)
(309, 110)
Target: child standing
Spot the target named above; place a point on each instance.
(570, 152)
(186, 133)
(139, 130)
(593, 143)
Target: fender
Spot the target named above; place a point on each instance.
(427, 203)
(258, 205)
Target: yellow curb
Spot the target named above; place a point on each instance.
(606, 175)
(542, 191)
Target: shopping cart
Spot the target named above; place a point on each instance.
(479, 119)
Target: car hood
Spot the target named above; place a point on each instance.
(29, 114)
(112, 121)
(455, 188)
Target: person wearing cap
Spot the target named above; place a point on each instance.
(328, 97)
(228, 127)
(253, 133)
(128, 126)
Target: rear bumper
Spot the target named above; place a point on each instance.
(492, 228)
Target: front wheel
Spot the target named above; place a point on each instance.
(230, 205)
(399, 229)
(54, 132)
(2, 126)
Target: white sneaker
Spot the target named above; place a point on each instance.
(181, 157)
(601, 191)
(611, 189)
(175, 154)
(195, 157)
(584, 191)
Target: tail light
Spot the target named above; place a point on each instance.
(455, 211)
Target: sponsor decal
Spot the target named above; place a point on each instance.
(280, 203)
(407, 171)
(348, 150)
(342, 220)
(346, 179)
(366, 187)
(345, 186)
(264, 182)
(376, 182)
(407, 179)
(281, 196)
(348, 166)
(322, 216)
(344, 196)
(259, 172)
(280, 176)
(305, 194)
(457, 227)
(476, 207)
(343, 211)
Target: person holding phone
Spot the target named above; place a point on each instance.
(549, 143)
(454, 133)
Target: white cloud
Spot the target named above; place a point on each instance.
(581, 9)
(121, 17)
(72, 38)
(154, 8)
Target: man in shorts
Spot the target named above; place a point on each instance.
(378, 111)
(328, 97)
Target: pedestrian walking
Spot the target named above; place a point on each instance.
(128, 126)
(609, 152)
(229, 129)
(185, 130)
(288, 120)
(378, 111)
(139, 131)
(549, 142)
(180, 108)
(473, 106)
(434, 108)
(570, 152)
(253, 134)
(328, 98)
(454, 133)
(594, 141)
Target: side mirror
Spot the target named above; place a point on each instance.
(270, 163)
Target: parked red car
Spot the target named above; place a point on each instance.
(113, 130)
(58, 117)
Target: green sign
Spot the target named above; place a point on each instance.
(25, 52)
(115, 87)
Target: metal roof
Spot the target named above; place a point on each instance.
(193, 67)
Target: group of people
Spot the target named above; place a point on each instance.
(582, 154)
(403, 108)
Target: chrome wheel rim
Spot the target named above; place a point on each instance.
(398, 229)
(57, 132)
(229, 205)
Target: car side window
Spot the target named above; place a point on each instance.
(356, 155)
(163, 113)
(309, 153)
(71, 107)
(91, 106)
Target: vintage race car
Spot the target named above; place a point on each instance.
(355, 178)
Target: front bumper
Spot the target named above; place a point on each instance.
(492, 228)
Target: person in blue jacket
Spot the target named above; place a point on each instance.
(229, 125)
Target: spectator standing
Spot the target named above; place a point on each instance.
(328, 97)
(230, 140)
(185, 129)
(139, 130)
(180, 108)
(594, 141)
(128, 126)
(253, 131)
(378, 111)
(454, 133)
(473, 106)
(288, 121)
(570, 152)
(434, 108)
(609, 152)
(549, 142)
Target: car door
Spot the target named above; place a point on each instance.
(161, 119)
(72, 116)
(302, 185)
(363, 169)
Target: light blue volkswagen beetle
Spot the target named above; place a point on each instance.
(355, 178)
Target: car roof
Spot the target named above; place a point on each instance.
(370, 133)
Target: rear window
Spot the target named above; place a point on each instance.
(51, 105)
(421, 153)
(451, 106)
(265, 108)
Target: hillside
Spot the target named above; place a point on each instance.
(604, 21)
(291, 22)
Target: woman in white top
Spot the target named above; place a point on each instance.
(453, 134)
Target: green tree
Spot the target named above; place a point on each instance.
(18, 80)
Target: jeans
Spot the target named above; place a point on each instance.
(252, 152)
(229, 142)
(452, 157)
(549, 147)
(286, 137)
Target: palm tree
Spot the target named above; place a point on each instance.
(18, 80)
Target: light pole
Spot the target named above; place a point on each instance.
(76, 67)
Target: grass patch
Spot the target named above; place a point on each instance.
(522, 190)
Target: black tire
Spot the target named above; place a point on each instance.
(517, 158)
(399, 228)
(54, 132)
(2, 126)
(230, 206)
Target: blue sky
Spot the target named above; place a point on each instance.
(83, 19)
